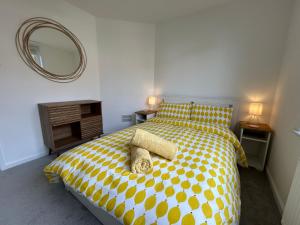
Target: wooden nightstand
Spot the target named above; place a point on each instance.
(143, 115)
(259, 135)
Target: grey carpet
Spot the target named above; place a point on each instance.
(26, 198)
(258, 204)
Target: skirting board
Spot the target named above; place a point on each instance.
(276, 195)
(21, 161)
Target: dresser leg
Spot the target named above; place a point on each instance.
(50, 151)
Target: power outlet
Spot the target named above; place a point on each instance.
(126, 118)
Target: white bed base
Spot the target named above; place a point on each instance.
(104, 217)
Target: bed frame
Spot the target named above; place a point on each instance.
(104, 217)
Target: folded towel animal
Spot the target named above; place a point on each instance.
(155, 144)
(141, 161)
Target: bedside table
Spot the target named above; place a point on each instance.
(143, 115)
(257, 134)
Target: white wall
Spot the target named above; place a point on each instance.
(21, 88)
(126, 63)
(286, 115)
(229, 51)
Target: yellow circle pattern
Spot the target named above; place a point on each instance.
(200, 186)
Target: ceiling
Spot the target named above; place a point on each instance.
(149, 11)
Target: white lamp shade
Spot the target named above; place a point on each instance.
(152, 100)
(255, 109)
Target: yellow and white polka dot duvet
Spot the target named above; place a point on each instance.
(200, 186)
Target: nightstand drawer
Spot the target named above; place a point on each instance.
(64, 114)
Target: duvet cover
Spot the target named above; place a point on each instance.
(200, 186)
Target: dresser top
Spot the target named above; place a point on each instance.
(80, 102)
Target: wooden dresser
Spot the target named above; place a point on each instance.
(67, 124)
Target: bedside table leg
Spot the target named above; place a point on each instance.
(50, 151)
(241, 135)
(266, 149)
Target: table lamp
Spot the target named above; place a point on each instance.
(255, 111)
(152, 101)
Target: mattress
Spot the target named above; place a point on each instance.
(200, 185)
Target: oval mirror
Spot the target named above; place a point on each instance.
(51, 49)
(54, 51)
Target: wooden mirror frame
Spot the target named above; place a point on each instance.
(22, 43)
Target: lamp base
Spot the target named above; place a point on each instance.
(151, 107)
(254, 120)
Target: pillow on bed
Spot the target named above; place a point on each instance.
(212, 114)
(175, 110)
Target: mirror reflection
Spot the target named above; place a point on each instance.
(54, 51)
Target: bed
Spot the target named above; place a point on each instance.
(201, 186)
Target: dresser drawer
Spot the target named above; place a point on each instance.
(64, 114)
(91, 133)
(91, 126)
(91, 121)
